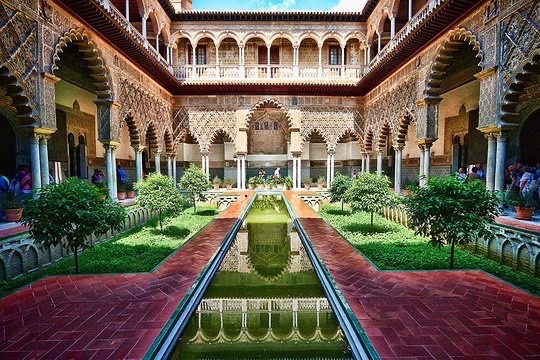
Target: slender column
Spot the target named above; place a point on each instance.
(168, 54)
(169, 166)
(332, 169)
(294, 172)
(299, 175)
(203, 164)
(174, 168)
(500, 161)
(143, 23)
(379, 161)
(127, 10)
(207, 166)
(365, 56)
(238, 175)
(392, 27)
(109, 169)
(35, 162)
(490, 166)
(327, 170)
(157, 41)
(320, 62)
(157, 162)
(242, 62)
(113, 173)
(398, 156)
(421, 166)
(138, 163)
(343, 62)
(296, 68)
(427, 156)
(193, 59)
(410, 9)
(378, 42)
(44, 160)
(369, 54)
(217, 63)
(268, 70)
(363, 163)
(368, 160)
(243, 171)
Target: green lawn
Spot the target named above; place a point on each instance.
(138, 250)
(393, 247)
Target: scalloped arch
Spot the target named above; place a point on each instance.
(268, 101)
(12, 82)
(98, 70)
(519, 81)
(445, 54)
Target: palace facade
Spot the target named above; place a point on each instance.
(409, 88)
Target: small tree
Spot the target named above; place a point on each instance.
(340, 185)
(450, 211)
(72, 210)
(195, 182)
(158, 193)
(370, 193)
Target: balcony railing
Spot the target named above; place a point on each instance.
(270, 72)
(415, 21)
(135, 34)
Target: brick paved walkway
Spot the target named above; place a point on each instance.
(428, 315)
(105, 316)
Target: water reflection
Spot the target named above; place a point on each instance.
(265, 301)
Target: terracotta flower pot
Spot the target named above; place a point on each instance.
(13, 215)
(216, 186)
(523, 213)
(307, 186)
(320, 186)
(121, 195)
(130, 194)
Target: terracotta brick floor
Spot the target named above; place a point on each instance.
(105, 316)
(430, 314)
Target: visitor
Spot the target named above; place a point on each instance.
(527, 183)
(461, 175)
(262, 173)
(354, 173)
(480, 172)
(4, 183)
(276, 172)
(26, 183)
(473, 175)
(121, 175)
(97, 177)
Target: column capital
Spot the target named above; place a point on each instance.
(50, 77)
(432, 100)
(43, 132)
(296, 153)
(110, 144)
(486, 73)
(425, 142)
(398, 147)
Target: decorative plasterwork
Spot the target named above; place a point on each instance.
(265, 102)
(92, 55)
(445, 55)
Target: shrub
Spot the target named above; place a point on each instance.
(158, 193)
(72, 210)
(450, 211)
(195, 182)
(339, 187)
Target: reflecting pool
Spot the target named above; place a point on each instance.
(265, 302)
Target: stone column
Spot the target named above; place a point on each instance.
(268, 69)
(296, 67)
(328, 170)
(193, 60)
(410, 9)
(243, 171)
(218, 71)
(44, 160)
(490, 166)
(427, 158)
(500, 161)
(127, 10)
(343, 62)
(363, 163)
(320, 62)
(207, 166)
(157, 41)
(174, 168)
(114, 175)
(143, 24)
(238, 174)
(421, 181)
(109, 169)
(379, 162)
(392, 27)
(169, 166)
(35, 162)
(157, 161)
(368, 160)
(378, 42)
(242, 62)
(294, 172)
(332, 169)
(299, 175)
(138, 162)
(397, 180)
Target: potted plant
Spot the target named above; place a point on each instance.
(216, 182)
(407, 185)
(130, 191)
(228, 182)
(321, 181)
(121, 191)
(278, 183)
(12, 205)
(307, 183)
(288, 182)
(524, 204)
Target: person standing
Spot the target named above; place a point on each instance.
(121, 176)
(480, 172)
(276, 172)
(4, 183)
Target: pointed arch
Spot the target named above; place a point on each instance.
(446, 54)
(133, 129)
(92, 55)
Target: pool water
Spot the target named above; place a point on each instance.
(265, 302)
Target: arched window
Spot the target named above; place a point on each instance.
(257, 125)
(276, 125)
(266, 125)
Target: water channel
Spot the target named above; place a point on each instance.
(265, 302)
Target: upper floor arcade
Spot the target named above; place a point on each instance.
(180, 47)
